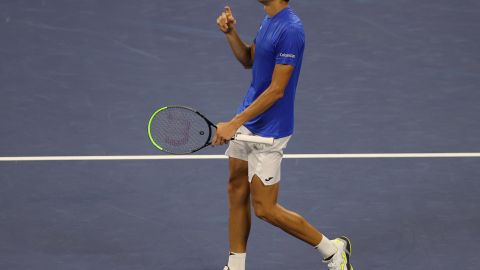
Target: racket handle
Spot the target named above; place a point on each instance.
(253, 139)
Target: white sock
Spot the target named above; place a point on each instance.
(326, 248)
(236, 261)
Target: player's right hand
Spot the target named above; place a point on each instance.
(226, 22)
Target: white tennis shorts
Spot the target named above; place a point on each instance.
(263, 160)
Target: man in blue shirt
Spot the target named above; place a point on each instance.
(267, 110)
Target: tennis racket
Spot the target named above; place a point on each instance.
(182, 130)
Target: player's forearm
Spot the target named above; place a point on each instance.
(240, 49)
(271, 95)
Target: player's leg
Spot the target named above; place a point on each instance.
(239, 205)
(264, 173)
(264, 200)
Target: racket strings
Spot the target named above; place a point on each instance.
(179, 130)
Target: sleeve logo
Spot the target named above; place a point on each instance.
(287, 55)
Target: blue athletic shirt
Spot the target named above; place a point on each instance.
(280, 40)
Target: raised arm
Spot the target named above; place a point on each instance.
(244, 52)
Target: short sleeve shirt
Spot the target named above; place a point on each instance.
(280, 40)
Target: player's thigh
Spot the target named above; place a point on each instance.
(238, 173)
(263, 196)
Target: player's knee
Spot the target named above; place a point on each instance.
(260, 211)
(238, 177)
(264, 212)
(237, 181)
(238, 192)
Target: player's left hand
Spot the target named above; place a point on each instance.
(225, 132)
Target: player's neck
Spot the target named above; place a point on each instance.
(274, 7)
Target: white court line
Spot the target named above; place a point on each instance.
(289, 156)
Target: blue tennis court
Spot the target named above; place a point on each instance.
(81, 78)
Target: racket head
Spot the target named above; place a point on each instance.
(179, 130)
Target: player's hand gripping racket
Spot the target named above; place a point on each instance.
(182, 130)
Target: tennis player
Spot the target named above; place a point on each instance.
(267, 110)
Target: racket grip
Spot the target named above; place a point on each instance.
(253, 139)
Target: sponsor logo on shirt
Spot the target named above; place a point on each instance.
(287, 55)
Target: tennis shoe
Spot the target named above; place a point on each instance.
(341, 259)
